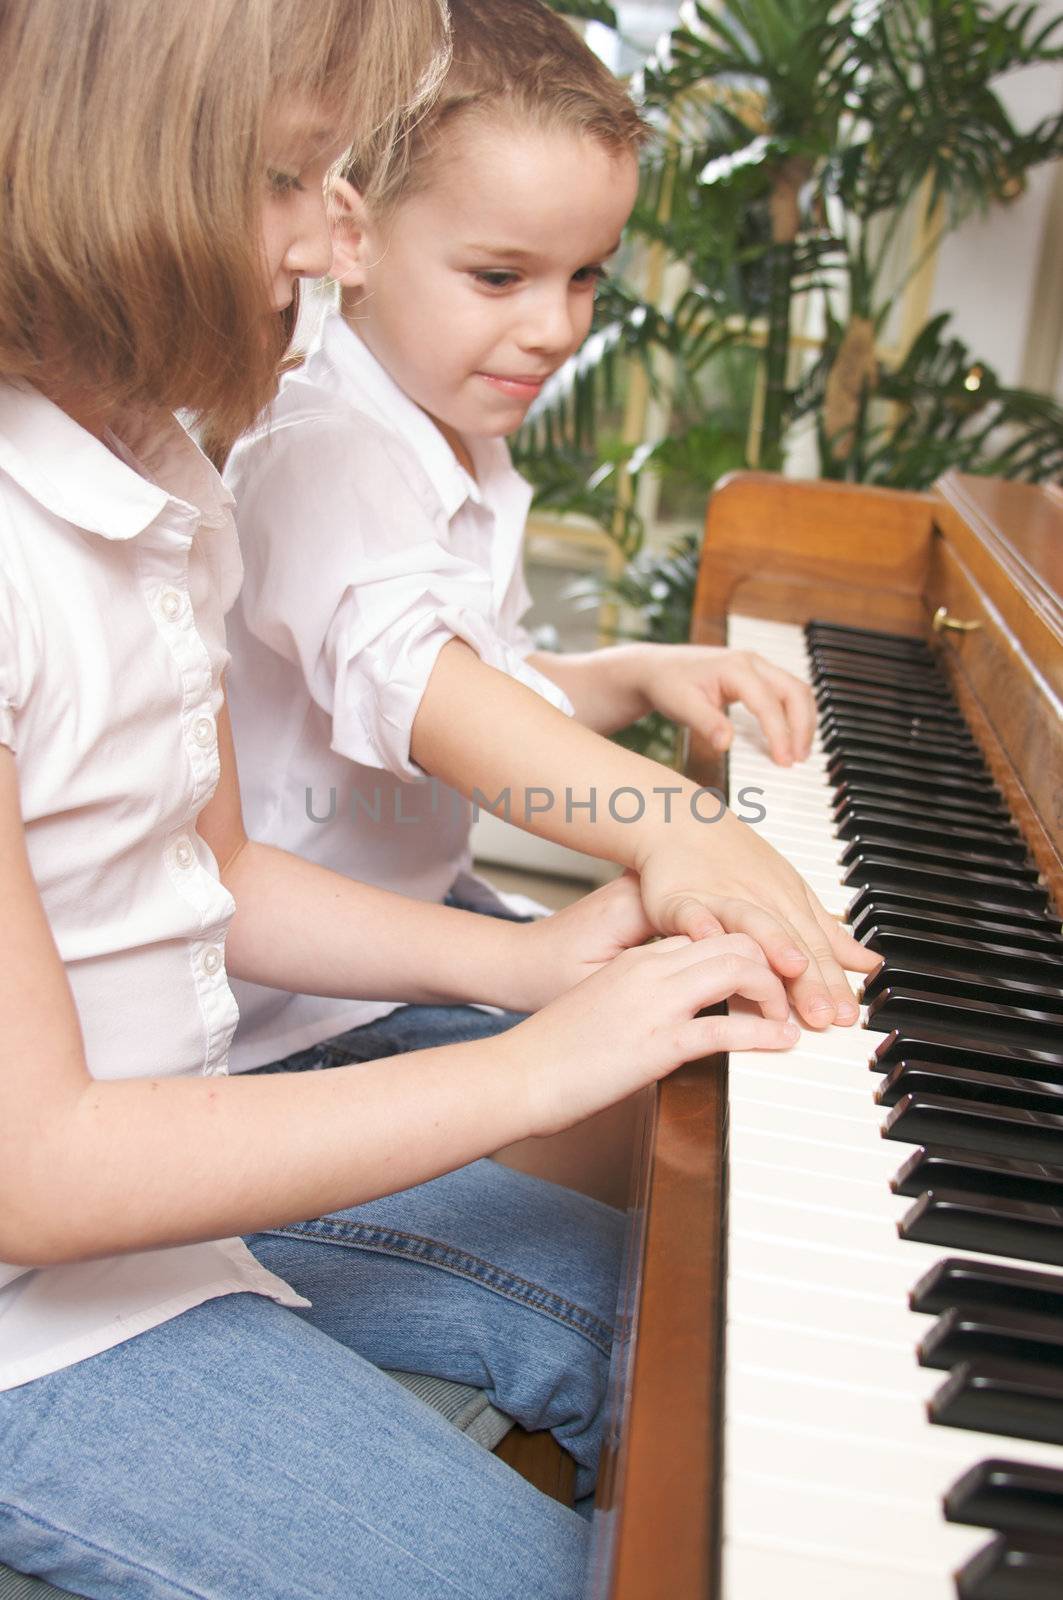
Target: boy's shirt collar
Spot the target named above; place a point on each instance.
(97, 490)
(380, 394)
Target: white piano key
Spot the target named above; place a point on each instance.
(758, 1573)
(891, 1465)
(848, 1523)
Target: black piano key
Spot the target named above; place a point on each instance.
(942, 980)
(860, 772)
(966, 1125)
(881, 748)
(987, 1284)
(860, 702)
(973, 1172)
(1019, 930)
(959, 856)
(916, 729)
(871, 638)
(1001, 1397)
(1017, 1566)
(981, 810)
(895, 678)
(854, 696)
(975, 957)
(902, 1045)
(844, 753)
(893, 682)
(859, 820)
(924, 1077)
(947, 1016)
(984, 890)
(1012, 1496)
(961, 1334)
(928, 814)
(976, 1222)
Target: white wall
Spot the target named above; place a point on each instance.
(989, 269)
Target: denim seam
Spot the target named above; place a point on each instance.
(430, 1252)
(101, 1550)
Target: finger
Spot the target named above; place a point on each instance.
(799, 707)
(847, 950)
(708, 1036)
(759, 696)
(698, 708)
(718, 944)
(776, 937)
(720, 977)
(828, 973)
(687, 914)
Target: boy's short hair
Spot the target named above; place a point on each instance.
(132, 177)
(520, 59)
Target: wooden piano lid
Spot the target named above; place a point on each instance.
(997, 560)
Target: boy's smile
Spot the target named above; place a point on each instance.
(481, 284)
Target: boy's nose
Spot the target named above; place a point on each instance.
(552, 329)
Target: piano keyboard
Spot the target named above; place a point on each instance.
(834, 1476)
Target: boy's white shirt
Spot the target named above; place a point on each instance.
(114, 578)
(366, 546)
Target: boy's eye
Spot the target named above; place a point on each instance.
(283, 182)
(594, 274)
(495, 278)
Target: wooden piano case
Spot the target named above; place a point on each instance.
(987, 552)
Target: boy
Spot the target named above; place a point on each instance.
(377, 647)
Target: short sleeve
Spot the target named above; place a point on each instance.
(12, 652)
(347, 576)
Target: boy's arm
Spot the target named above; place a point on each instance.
(689, 684)
(509, 751)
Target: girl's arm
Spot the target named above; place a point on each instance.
(90, 1168)
(513, 753)
(690, 684)
(301, 927)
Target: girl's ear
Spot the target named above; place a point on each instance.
(349, 223)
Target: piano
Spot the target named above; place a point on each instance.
(839, 1369)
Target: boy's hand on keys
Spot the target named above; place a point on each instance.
(724, 877)
(636, 1020)
(694, 684)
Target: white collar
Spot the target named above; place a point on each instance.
(76, 477)
(356, 366)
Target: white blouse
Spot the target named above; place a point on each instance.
(367, 546)
(116, 566)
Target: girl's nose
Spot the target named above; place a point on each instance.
(310, 252)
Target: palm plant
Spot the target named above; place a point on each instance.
(797, 138)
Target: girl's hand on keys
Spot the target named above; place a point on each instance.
(723, 876)
(636, 1020)
(567, 947)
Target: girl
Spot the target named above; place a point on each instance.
(183, 1412)
(383, 643)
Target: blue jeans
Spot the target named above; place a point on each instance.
(243, 1451)
(406, 1028)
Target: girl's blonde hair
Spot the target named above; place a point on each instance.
(132, 175)
(518, 60)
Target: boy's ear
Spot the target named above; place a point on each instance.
(349, 223)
